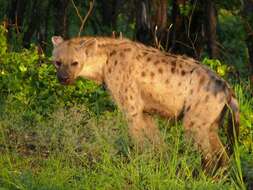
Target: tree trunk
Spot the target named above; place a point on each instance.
(151, 21)
(33, 24)
(160, 21)
(210, 29)
(44, 26)
(186, 33)
(16, 15)
(110, 11)
(60, 17)
(247, 15)
(143, 22)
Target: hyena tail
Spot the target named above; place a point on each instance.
(233, 123)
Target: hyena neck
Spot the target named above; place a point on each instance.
(93, 68)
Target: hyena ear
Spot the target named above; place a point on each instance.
(56, 40)
(90, 47)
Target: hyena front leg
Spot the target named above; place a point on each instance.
(205, 137)
(142, 128)
(136, 129)
(144, 132)
(152, 131)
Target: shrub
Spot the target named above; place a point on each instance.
(28, 82)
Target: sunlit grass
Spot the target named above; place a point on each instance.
(73, 149)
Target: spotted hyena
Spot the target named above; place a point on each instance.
(143, 80)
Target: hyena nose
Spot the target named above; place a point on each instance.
(63, 78)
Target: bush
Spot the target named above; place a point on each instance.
(28, 83)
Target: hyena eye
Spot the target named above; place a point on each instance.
(74, 63)
(58, 63)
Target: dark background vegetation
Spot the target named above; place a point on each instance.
(193, 27)
(73, 137)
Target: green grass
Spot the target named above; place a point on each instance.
(73, 149)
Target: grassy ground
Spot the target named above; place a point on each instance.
(73, 149)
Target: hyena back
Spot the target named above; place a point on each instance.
(144, 80)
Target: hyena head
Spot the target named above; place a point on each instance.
(67, 58)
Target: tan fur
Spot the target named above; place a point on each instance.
(144, 80)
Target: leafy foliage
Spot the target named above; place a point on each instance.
(217, 66)
(28, 82)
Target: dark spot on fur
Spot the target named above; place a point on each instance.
(113, 53)
(204, 124)
(182, 72)
(219, 86)
(132, 107)
(208, 85)
(191, 124)
(160, 70)
(179, 84)
(131, 97)
(148, 59)
(180, 65)
(156, 62)
(134, 115)
(138, 57)
(207, 98)
(122, 54)
(188, 108)
(164, 61)
(115, 62)
(174, 63)
(173, 69)
(143, 74)
(167, 81)
(126, 89)
(196, 104)
(144, 53)
(201, 81)
(152, 74)
(213, 77)
(191, 91)
(215, 85)
(127, 49)
(109, 70)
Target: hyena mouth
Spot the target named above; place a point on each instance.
(66, 80)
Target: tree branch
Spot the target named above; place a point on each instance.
(83, 20)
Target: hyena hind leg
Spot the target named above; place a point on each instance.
(206, 139)
(220, 157)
